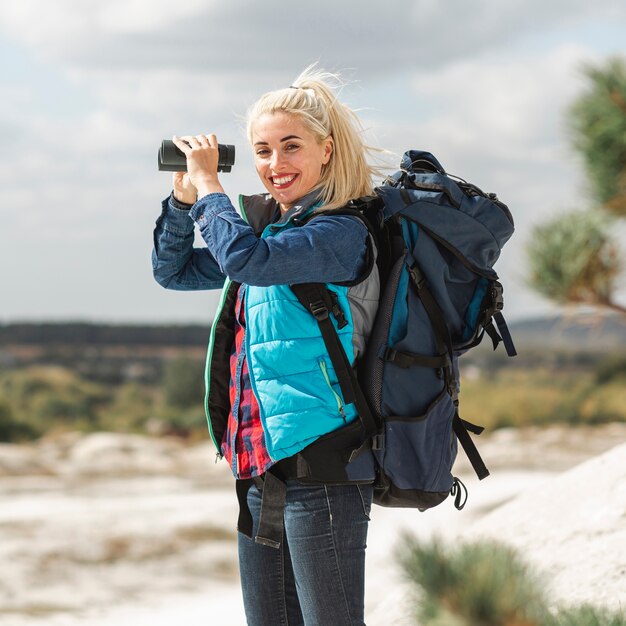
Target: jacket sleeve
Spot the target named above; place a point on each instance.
(176, 264)
(328, 249)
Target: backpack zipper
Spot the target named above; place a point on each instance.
(338, 399)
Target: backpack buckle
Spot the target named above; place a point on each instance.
(497, 295)
(452, 390)
(416, 275)
(337, 310)
(319, 310)
(389, 354)
(378, 441)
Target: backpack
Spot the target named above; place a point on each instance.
(438, 238)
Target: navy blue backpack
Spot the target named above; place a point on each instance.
(438, 238)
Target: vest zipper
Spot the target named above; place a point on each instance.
(338, 399)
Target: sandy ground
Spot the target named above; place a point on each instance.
(117, 529)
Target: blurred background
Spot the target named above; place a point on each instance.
(101, 370)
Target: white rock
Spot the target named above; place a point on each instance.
(116, 453)
(21, 460)
(572, 528)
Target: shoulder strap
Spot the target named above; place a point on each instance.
(316, 299)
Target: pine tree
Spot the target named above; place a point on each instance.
(575, 257)
(598, 125)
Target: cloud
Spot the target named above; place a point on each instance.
(245, 36)
(497, 114)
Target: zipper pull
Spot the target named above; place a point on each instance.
(218, 457)
(343, 415)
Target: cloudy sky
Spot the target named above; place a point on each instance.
(90, 87)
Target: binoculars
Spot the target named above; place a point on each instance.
(171, 159)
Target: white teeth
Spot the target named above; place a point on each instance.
(283, 181)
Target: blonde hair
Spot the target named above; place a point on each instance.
(312, 98)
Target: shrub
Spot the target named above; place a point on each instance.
(12, 429)
(476, 584)
(610, 368)
(183, 383)
(485, 584)
(588, 615)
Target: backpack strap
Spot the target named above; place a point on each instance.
(493, 312)
(505, 334)
(461, 428)
(316, 299)
(408, 359)
(271, 519)
(440, 328)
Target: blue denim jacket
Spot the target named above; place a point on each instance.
(332, 251)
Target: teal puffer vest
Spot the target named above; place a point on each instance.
(291, 374)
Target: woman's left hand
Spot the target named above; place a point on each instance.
(202, 157)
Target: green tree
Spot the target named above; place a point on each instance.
(598, 125)
(575, 257)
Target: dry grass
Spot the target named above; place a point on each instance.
(138, 548)
(522, 397)
(36, 609)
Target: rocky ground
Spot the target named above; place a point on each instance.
(123, 529)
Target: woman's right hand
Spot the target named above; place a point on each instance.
(184, 191)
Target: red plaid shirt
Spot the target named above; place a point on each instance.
(244, 432)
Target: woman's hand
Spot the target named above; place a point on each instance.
(201, 176)
(184, 191)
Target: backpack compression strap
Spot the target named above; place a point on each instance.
(444, 341)
(440, 328)
(493, 313)
(461, 428)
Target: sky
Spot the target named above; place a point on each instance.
(91, 87)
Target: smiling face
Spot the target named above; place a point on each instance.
(288, 157)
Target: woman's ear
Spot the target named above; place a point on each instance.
(328, 149)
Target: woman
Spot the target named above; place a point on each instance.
(272, 394)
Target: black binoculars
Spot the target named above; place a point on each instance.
(171, 159)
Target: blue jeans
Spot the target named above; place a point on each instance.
(317, 576)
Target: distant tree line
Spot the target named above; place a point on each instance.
(79, 333)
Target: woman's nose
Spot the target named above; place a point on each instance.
(276, 160)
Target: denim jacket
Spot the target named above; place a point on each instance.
(333, 251)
